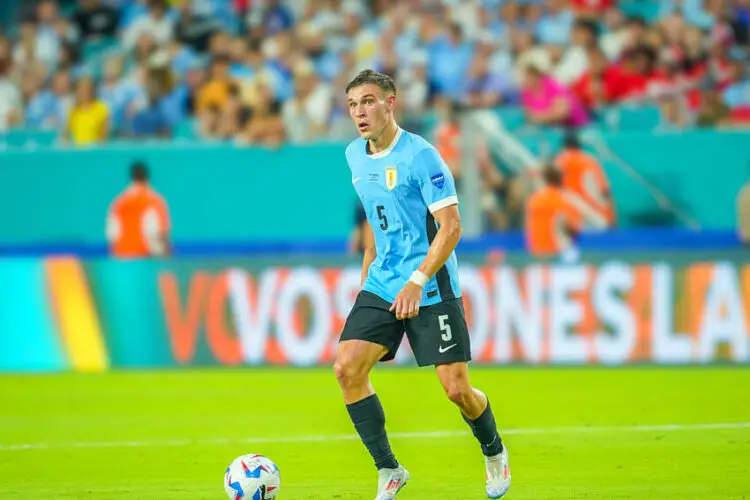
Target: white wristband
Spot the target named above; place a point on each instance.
(419, 278)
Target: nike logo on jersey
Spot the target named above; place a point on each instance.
(442, 349)
(356, 179)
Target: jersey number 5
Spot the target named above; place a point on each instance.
(445, 327)
(382, 217)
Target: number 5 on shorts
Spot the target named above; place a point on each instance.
(445, 327)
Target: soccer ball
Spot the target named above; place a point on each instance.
(252, 477)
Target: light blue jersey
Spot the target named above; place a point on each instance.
(400, 188)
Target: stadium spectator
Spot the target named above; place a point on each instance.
(532, 14)
(674, 114)
(306, 115)
(156, 24)
(41, 105)
(713, 113)
(140, 55)
(236, 115)
(574, 60)
(190, 88)
(507, 20)
(449, 59)
(312, 43)
(213, 97)
(469, 15)
(475, 52)
(265, 125)
(52, 28)
(556, 23)
(269, 18)
(340, 128)
(525, 52)
(138, 223)
(614, 36)
(32, 47)
(154, 118)
(600, 85)
(413, 88)
(64, 100)
(592, 8)
(130, 11)
(95, 20)
(740, 19)
(736, 95)
(636, 69)
(89, 120)
(119, 94)
(192, 30)
(482, 88)
(219, 44)
(547, 102)
(11, 102)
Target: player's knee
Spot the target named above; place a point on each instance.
(458, 392)
(349, 373)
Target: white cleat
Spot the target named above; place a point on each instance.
(390, 482)
(498, 474)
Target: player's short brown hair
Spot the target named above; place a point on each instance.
(385, 82)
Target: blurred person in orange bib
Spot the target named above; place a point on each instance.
(448, 137)
(583, 176)
(138, 223)
(552, 219)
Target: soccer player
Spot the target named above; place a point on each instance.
(409, 282)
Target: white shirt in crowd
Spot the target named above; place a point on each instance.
(160, 30)
(301, 116)
(10, 102)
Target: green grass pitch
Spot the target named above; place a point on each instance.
(573, 433)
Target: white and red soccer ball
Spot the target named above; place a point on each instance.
(252, 477)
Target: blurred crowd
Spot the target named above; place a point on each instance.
(270, 71)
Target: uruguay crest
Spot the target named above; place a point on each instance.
(391, 177)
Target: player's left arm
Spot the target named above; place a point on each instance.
(438, 190)
(446, 239)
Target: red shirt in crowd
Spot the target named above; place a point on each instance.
(592, 6)
(617, 84)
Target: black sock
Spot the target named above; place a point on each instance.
(369, 420)
(485, 430)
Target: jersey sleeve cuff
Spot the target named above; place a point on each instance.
(445, 202)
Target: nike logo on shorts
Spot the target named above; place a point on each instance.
(442, 349)
(354, 181)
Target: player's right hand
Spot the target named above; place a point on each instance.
(407, 301)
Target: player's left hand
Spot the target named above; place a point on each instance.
(407, 301)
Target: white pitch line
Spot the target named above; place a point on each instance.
(353, 437)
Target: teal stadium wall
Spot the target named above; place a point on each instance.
(219, 192)
(214, 192)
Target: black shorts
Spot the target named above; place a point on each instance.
(438, 335)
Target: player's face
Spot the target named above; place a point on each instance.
(371, 109)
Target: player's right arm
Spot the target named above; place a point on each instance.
(368, 244)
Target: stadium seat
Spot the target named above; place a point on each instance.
(186, 130)
(512, 117)
(632, 118)
(647, 9)
(28, 139)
